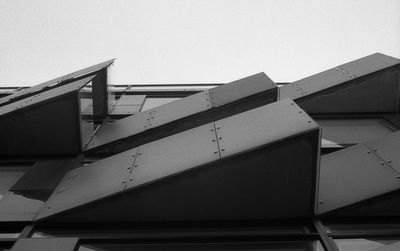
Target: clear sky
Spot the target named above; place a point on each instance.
(187, 41)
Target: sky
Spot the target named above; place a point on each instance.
(187, 41)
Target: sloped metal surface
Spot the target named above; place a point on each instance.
(391, 247)
(388, 149)
(89, 183)
(241, 88)
(174, 154)
(15, 207)
(54, 82)
(41, 97)
(178, 109)
(192, 108)
(352, 175)
(125, 109)
(45, 244)
(131, 100)
(369, 84)
(259, 126)
(187, 176)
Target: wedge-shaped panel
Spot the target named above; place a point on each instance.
(188, 177)
(16, 207)
(241, 88)
(184, 114)
(89, 183)
(181, 108)
(369, 84)
(45, 244)
(387, 148)
(54, 121)
(352, 175)
(259, 126)
(131, 100)
(54, 82)
(125, 109)
(174, 154)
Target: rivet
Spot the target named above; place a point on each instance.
(369, 152)
(130, 179)
(320, 202)
(389, 161)
(222, 149)
(213, 140)
(382, 163)
(220, 138)
(135, 165)
(211, 130)
(215, 152)
(299, 111)
(309, 121)
(398, 177)
(375, 150)
(139, 153)
(218, 128)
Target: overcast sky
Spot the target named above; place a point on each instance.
(187, 41)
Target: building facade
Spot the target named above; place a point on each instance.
(248, 165)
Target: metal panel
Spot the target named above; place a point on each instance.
(174, 154)
(261, 126)
(313, 84)
(122, 128)
(390, 247)
(136, 100)
(240, 89)
(178, 109)
(16, 207)
(35, 99)
(125, 109)
(90, 183)
(337, 75)
(45, 244)
(387, 148)
(353, 131)
(352, 175)
(56, 81)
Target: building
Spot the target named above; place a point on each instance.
(249, 165)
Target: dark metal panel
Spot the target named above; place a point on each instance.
(261, 126)
(45, 244)
(112, 131)
(136, 100)
(41, 97)
(90, 183)
(387, 148)
(174, 154)
(100, 95)
(337, 75)
(178, 109)
(55, 81)
(240, 89)
(391, 247)
(352, 175)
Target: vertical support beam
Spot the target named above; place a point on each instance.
(100, 95)
(327, 242)
(26, 232)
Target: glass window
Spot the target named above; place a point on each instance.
(365, 244)
(152, 102)
(352, 131)
(276, 246)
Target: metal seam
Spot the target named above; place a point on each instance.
(216, 138)
(382, 160)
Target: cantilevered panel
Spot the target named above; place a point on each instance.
(185, 177)
(53, 119)
(54, 82)
(387, 149)
(89, 183)
(184, 114)
(369, 84)
(253, 128)
(45, 244)
(238, 89)
(352, 175)
(15, 207)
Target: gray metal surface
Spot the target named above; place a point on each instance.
(178, 109)
(125, 109)
(43, 96)
(122, 128)
(131, 100)
(15, 207)
(260, 126)
(90, 183)
(241, 88)
(53, 82)
(388, 149)
(174, 154)
(337, 75)
(390, 247)
(352, 175)
(45, 244)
